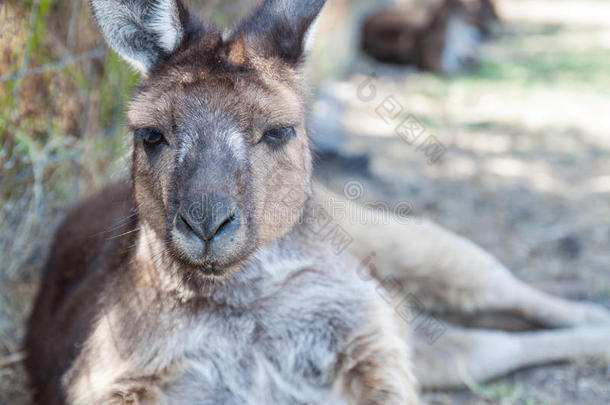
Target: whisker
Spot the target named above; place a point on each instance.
(118, 224)
(123, 234)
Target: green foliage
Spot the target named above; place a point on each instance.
(61, 133)
(115, 90)
(504, 393)
(35, 45)
(578, 59)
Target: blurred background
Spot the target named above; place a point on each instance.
(490, 118)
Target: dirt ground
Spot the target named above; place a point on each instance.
(524, 172)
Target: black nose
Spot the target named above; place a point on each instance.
(208, 220)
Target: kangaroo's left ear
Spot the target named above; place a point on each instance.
(144, 32)
(282, 28)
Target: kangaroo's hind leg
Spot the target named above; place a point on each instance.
(464, 357)
(453, 274)
(448, 273)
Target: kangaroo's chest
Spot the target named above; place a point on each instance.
(283, 349)
(252, 359)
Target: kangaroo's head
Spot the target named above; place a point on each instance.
(218, 123)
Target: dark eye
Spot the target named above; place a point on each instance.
(278, 136)
(150, 136)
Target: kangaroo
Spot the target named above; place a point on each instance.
(441, 37)
(207, 277)
(211, 289)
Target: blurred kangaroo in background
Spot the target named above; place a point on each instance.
(437, 35)
(205, 278)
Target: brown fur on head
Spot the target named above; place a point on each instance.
(217, 121)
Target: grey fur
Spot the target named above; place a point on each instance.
(141, 31)
(278, 341)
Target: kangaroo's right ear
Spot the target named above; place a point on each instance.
(144, 32)
(282, 28)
